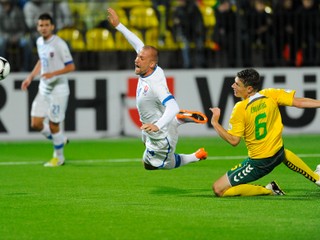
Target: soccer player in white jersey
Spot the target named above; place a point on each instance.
(55, 60)
(158, 110)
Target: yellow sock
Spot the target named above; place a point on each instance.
(296, 164)
(247, 190)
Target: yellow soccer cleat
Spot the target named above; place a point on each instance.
(54, 162)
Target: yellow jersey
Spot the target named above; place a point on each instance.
(258, 120)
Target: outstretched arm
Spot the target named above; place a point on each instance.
(233, 140)
(113, 18)
(306, 103)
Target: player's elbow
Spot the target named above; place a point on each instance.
(234, 141)
(72, 67)
(234, 144)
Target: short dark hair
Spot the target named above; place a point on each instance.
(250, 77)
(46, 16)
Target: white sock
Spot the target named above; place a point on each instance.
(46, 131)
(58, 144)
(188, 158)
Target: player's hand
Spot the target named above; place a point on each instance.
(47, 75)
(215, 115)
(25, 84)
(113, 17)
(149, 127)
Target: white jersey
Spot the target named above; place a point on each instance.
(151, 96)
(54, 54)
(152, 91)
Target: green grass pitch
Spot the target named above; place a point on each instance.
(103, 192)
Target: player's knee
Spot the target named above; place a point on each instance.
(216, 190)
(36, 125)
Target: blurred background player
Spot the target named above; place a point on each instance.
(32, 9)
(308, 39)
(13, 35)
(158, 110)
(54, 62)
(224, 33)
(188, 27)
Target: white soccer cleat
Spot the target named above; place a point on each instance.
(274, 187)
(317, 171)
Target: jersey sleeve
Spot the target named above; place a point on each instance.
(282, 96)
(135, 42)
(65, 53)
(172, 108)
(162, 92)
(159, 86)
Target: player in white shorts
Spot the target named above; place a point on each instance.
(50, 104)
(158, 110)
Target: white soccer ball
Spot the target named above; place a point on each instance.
(4, 68)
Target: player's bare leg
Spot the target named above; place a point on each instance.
(37, 123)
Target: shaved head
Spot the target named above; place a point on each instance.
(154, 53)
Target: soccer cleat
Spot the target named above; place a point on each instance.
(201, 154)
(54, 162)
(274, 187)
(317, 171)
(187, 116)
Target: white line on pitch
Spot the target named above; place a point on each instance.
(136, 160)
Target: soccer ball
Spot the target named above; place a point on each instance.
(4, 68)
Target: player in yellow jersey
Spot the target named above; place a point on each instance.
(257, 120)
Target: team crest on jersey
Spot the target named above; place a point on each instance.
(51, 54)
(145, 89)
